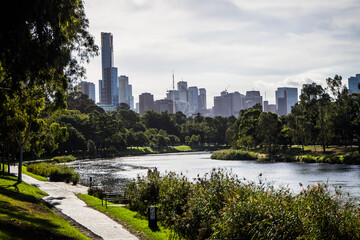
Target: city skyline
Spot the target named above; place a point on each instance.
(253, 46)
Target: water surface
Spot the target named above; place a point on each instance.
(111, 174)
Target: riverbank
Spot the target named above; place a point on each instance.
(130, 151)
(333, 155)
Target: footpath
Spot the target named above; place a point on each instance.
(62, 196)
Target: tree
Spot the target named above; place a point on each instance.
(343, 113)
(82, 102)
(268, 129)
(42, 46)
(22, 121)
(247, 128)
(123, 106)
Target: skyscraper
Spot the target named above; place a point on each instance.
(193, 99)
(353, 83)
(285, 98)
(228, 104)
(146, 103)
(202, 99)
(108, 86)
(88, 88)
(182, 88)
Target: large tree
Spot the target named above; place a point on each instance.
(43, 43)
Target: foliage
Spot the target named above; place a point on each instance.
(56, 173)
(221, 206)
(42, 43)
(234, 155)
(63, 159)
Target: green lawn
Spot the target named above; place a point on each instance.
(129, 218)
(24, 216)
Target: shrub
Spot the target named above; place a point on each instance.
(234, 155)
(56, 173)
(220, 206)
(62, 159)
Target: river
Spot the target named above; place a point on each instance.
(112, 174)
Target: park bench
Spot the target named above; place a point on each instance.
(113, 197)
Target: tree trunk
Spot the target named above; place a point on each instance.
(20, 165)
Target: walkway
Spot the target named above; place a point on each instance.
(62, 196)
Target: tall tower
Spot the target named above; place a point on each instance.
(108, 89)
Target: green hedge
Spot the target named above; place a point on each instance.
(220, 206)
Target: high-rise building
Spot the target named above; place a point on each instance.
(353, 83)
(163, 105)
(193, 99)
(182, 88)
(285, 98)
(202, 99)
(131, 97)
(88, 88)
(252, 98)
(228, 104)
(125, 91)
(146, 103)
(108, 85)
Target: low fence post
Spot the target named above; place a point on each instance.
(152, 216)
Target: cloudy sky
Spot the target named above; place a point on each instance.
(227, 44)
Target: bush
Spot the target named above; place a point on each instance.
(62, 159)
(234, 155)
(220, 206)
(56, 173)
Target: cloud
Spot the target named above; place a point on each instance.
(247, 44)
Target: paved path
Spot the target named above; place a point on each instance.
(62, 196)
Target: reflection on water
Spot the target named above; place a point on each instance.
(112, 174)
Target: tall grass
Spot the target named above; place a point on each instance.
(220, 206)
(54, 172)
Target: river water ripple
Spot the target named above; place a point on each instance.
(112, 174)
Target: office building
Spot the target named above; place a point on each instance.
(228, 104)
(146, 103)
(125, 91)
(164, 105)
(182, 88)
(193, 99)
(252, 98)
(202, 99)
(88, 88)
(285, 98)
(269, 107)
(108, 85)
(353, 83)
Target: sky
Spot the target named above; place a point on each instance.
(236, 45)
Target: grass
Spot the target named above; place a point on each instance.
(23, 215)
(130, 219)
(38, 177)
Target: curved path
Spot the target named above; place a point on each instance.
(62, 196)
